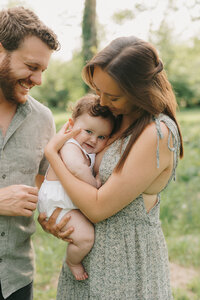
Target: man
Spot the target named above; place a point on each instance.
(26, 126)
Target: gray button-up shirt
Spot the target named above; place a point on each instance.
(21, 159)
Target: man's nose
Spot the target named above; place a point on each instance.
(36, 78)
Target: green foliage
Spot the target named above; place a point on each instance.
(182, 64)
(49, 253)
(192, 291)
(181, 59)
(62, 83)
(179, 294)
(184, 73)
(194, 286)
(89, 33)
(180, 250)
(180, 204)
(123, 15)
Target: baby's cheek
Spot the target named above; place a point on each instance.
(102, 144)
(80, 138)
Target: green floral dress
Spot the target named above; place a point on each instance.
(129, 260)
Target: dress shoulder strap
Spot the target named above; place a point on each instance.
(173, 132)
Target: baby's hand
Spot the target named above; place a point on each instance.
(58, 140)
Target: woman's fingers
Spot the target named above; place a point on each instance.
(50, 225)
(65, 233)
(57, 230)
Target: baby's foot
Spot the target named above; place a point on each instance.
(78, 271)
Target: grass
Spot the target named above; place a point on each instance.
(180, 207)
(49, 253)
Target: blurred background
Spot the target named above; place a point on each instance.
(85, 27)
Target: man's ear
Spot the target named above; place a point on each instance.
(2, 49)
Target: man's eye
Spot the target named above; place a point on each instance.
(114, 99)
(32, 68)
(88, 131)
(101, 137)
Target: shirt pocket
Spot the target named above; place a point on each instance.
(28, 155)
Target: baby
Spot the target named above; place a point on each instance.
(97, 124)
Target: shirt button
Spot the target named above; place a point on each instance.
(3, 233)
(4, 176)
(1, 260)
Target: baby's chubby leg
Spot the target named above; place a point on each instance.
(83, 240)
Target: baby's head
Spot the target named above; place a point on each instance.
(96, 121)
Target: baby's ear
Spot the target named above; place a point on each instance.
(71, 123)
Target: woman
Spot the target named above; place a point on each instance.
(129, 259)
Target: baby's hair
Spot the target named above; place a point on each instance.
(90, 104)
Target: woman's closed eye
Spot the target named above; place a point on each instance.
(96, 88)
(114, 99)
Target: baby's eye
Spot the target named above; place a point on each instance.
(88, 131)
(101, 137)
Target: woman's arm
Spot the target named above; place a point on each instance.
(139, 172)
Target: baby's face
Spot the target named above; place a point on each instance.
(94, 134)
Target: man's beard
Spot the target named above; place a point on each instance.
(7, 81)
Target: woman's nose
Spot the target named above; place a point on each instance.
(103, 100)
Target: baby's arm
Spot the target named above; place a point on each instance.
(76, 163)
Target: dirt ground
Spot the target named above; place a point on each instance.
(181, 276)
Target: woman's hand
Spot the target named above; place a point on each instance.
(64, 134)
(57, 230)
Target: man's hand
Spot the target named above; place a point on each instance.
(18, 200)
(57, 230)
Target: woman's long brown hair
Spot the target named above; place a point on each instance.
(135, 65)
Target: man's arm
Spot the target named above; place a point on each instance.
(18, 200)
